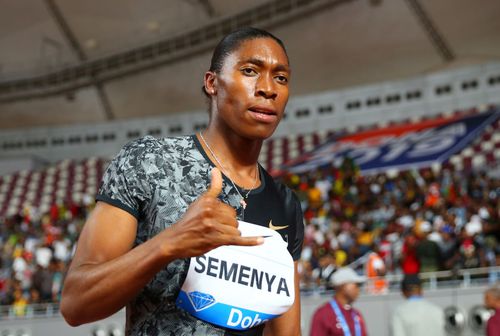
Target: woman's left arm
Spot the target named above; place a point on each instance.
(287, 324)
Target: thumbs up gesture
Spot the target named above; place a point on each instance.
(207, 224)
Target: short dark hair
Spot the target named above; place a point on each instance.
(233, 40)
(410, 282)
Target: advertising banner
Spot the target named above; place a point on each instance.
(402, 147)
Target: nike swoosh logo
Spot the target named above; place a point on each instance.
(276, 228)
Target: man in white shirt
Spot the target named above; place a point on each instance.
(417, 316)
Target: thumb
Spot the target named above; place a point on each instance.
(215, 184)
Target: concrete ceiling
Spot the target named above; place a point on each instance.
(353, 43)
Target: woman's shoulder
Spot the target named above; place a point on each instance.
(151, 145)
(285, 191)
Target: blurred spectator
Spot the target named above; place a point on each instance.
(34, 296)
(337, 317)
(43, 255)
(375, 272)
(385, 250)
(323, 273)
(427, 251)
(409, 260)
(57, 271)
(492, 301)
(448, 245)
(417, 316)
(19, 306)
(42, 282)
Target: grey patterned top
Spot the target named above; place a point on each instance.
(156, 180)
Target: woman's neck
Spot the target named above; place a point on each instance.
(236, 156)
(237, 151)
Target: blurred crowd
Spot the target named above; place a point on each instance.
(410, 222)
(402, 223)
(35, 251)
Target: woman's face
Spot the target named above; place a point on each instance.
(251, 90)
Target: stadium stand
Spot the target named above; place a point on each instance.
(68, 181)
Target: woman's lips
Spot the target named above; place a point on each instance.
(263, 114)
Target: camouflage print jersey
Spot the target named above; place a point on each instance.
(156, 180)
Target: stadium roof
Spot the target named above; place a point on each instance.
(65, 62)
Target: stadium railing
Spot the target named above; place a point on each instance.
(463, 278)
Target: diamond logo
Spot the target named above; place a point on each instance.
(200, 300)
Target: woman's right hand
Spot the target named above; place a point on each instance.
(207, 224)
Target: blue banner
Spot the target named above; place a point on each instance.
(410, 146)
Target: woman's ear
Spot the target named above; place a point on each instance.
(210, 82)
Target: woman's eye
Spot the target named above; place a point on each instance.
(282, 79)
(249, 71)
